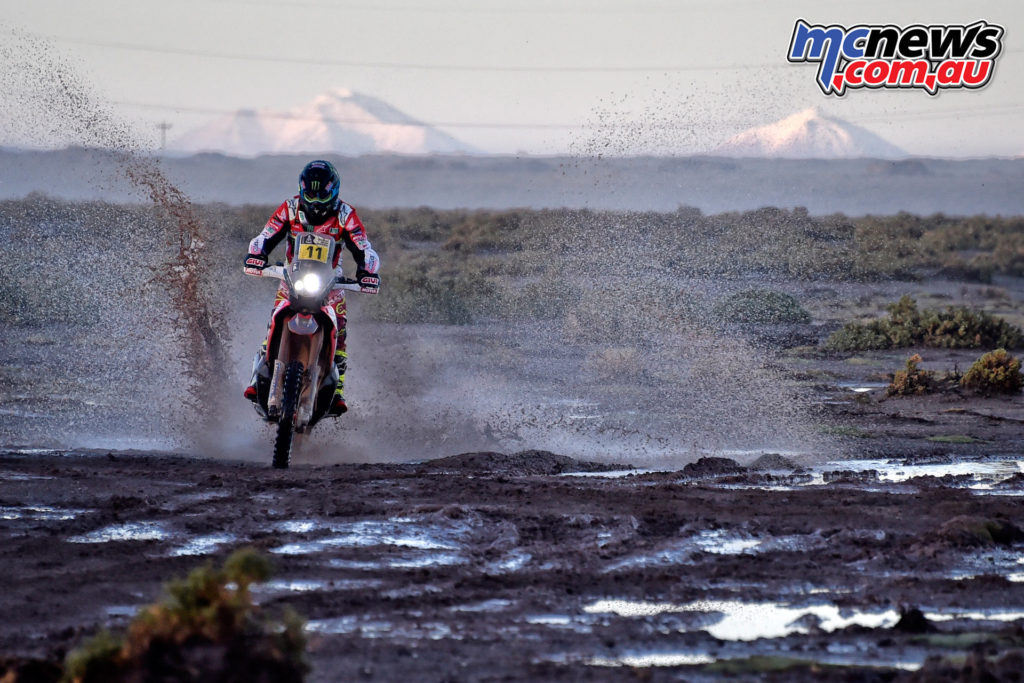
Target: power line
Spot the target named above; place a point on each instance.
(417, 66)
(453, 9)
(587, 7)
(410, 65)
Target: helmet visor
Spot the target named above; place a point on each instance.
(319, 196)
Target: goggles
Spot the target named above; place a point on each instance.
(318, 196)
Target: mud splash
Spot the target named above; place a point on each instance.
(38, 78)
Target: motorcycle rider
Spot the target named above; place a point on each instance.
(318, 208)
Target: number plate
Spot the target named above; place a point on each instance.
(314, 247)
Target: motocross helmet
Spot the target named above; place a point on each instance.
(318, 191)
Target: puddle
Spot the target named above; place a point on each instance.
(126, 611)
(747, 621)
(129, 531)
(277, 586)
(9, 475)
(750, 621)
(399, 532)
(862, 387)
(297, 526)
(549, 619)
(983, 475)
(985, 615)
(513, 561)
(610, 474)
(722, 542)
(39, 513)
(336, 626)
(715, 542)
(629, 608)
(894, 472)
(374, 628)
(655, 659)
(982, 490)
(403, 562)
(650, 659)
(33, 451)
(492, 605)
(203, 545)
(576, 623)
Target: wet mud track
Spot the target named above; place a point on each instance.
(489, 567)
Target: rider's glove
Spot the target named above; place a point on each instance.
(369, 283)
(255, 263)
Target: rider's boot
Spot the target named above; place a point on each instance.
(338, 405)
(250, 391)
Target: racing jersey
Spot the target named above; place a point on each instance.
(344, 226)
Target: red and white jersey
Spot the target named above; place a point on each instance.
(344, 226)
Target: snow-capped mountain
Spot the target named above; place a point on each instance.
(339, 122)
(809, 134)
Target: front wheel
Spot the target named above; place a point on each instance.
(289, 400)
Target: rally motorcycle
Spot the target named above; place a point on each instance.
(296, 379)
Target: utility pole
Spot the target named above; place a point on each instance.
(163, 126)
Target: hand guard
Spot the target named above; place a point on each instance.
(369, 283)
(255, 263)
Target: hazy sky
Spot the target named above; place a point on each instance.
(530, 76)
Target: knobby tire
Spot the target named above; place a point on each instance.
(289, 401)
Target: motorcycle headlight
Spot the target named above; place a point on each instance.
(310, 282)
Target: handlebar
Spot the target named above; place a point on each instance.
(277, 272)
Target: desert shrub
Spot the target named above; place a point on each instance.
(960, 327)
(912, 380)
(486, 231)
(412, 295)
(207, 629)
(1008, 253)
(422, 224)
(996, 372)
(761, 306)
(978, 269)
(955, 328)
(889, 245)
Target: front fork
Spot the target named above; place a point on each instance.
(307, 350)
(274, 396)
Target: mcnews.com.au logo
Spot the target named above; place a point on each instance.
(931, 58)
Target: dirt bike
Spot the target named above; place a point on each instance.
(295, 382)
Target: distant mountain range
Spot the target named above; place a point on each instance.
(809, 134)
(337, 122)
